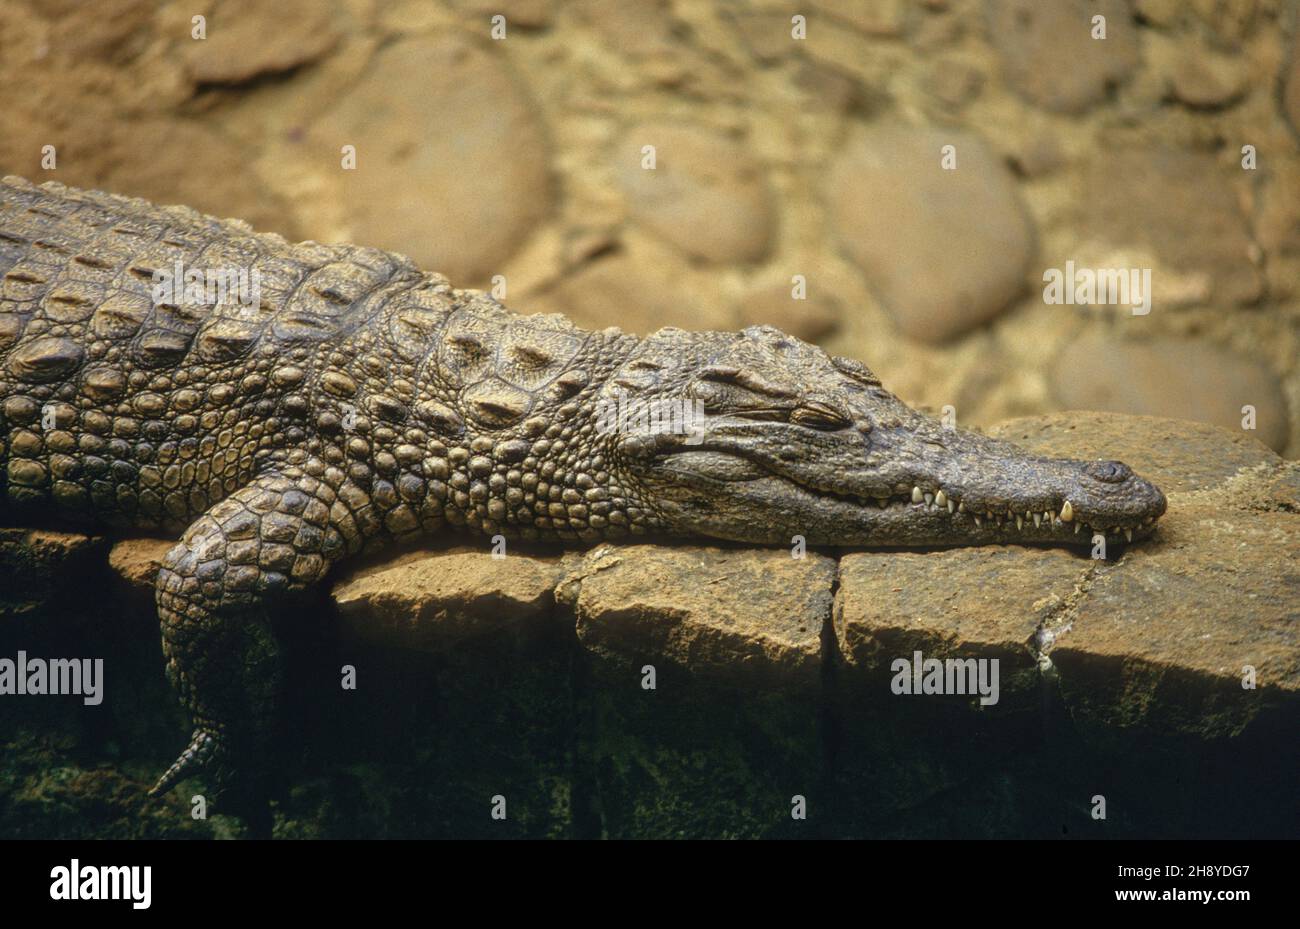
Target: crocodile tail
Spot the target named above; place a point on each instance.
(198, 755)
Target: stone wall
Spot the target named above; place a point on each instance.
(775, 157)
(528, 677)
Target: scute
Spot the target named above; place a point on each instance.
(495, 404)
(43, 360)
(120, 315)
(160, 348)
(227, 339)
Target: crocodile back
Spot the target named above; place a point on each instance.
(151, 357)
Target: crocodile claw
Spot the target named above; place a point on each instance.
(204, 748)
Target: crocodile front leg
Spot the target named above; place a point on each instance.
(217, 592)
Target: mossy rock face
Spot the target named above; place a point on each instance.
(723, 691)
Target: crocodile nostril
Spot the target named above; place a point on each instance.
(1108, 472)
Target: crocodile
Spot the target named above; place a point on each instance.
(360, 401)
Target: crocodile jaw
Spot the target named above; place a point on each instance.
(970, 490)
(785, 441)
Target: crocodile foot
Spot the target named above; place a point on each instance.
(204, 755)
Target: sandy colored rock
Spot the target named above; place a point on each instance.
(885, 18)
(110, 29)
(1228, 22)
(1204, 79)
(766, 35)
(1160, 13)
(985, 602)
(740, 615)
(1163, 639)
(826, 88)
(945, 249)
(137, 561)
(953, 82)
(1291, 86)
(1176, 378)
(812, 318)
(636, 296)
(1179, 205)
(246, 39)
(527, 14)
(432, 601)
(453, 171)
(191, 164)
(1178, 455)
(941, 26)
(1049, 55)
(1268, 488)
(707, 194)
(1038, 155)
(638, 28)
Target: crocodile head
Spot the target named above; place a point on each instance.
(781, 439)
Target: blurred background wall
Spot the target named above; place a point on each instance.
(801, 175)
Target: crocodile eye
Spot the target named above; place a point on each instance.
(817, 415)
(765, 415)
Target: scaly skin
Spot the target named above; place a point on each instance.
(365, 401)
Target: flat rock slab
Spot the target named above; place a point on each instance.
(988, 602)
(1169, 637)
(743, 614)
(430, 602)
(137, 561)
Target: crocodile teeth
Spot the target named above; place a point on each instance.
(1038, 520)
(1077, 527)
(1020, 523)
(1067, 512)
(961, 507)
(952, 507)
(916, 495)
(1128, 534)
(941, 498)
(929, 498)
(978, 521)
